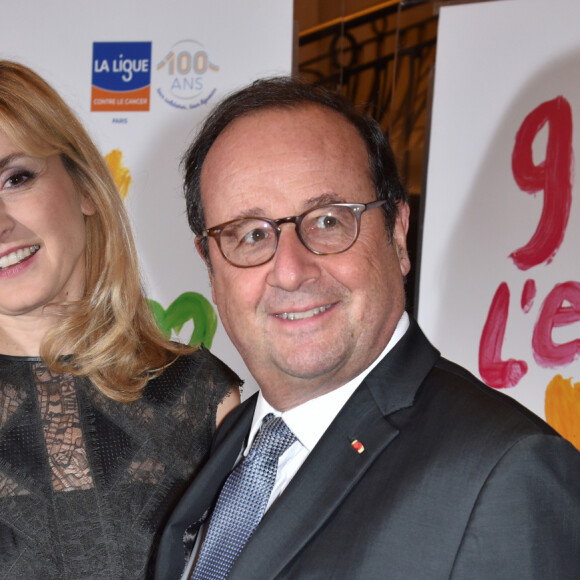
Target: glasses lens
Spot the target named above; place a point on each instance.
(248, 242)
(329, 229)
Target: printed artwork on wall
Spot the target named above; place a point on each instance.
(500, 277)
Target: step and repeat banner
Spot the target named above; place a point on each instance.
(500, 263)
(142, 75)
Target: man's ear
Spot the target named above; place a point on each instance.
(400, 236)
(199, 248)
(207, 262)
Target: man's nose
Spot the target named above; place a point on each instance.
(293, 264)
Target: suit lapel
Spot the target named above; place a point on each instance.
(334, 467)
(316, 491)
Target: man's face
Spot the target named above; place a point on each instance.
(278, 163)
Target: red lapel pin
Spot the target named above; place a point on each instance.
(358, 446)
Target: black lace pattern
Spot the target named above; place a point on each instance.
(86, 483)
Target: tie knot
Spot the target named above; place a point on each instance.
(273, 438)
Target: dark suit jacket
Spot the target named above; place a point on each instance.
(456, 481)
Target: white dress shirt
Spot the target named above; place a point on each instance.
(311, 419)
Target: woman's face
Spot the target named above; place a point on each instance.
(42, 232)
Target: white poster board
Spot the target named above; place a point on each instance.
(142, 75)
(500, 272)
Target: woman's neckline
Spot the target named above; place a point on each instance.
(23, 358)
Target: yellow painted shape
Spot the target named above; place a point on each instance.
(562, 406)
(119, 171)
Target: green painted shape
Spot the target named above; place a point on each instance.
(188, 306)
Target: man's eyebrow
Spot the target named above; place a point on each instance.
(323, 199)
(311, 202)
(251, 212)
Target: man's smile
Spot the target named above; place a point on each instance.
(305, 314)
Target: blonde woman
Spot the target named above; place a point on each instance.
(103, 422)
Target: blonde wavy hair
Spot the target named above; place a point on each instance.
(110, 332)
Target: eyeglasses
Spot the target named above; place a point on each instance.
(253, 241)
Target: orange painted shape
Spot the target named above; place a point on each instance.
(562, 407)
(119, 171)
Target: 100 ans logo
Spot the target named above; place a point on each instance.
(186, 69)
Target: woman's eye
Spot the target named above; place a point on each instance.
(18, 178)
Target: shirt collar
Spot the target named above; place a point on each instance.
(310, 420)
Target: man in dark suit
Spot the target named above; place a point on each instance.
(403, 465)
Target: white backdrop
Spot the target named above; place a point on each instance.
(502, 213)
(191, 53)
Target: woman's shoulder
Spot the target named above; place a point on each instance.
(203, 364)
(199, 372)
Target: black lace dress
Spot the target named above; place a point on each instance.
(86, 483)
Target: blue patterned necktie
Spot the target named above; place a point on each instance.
(242, 501)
